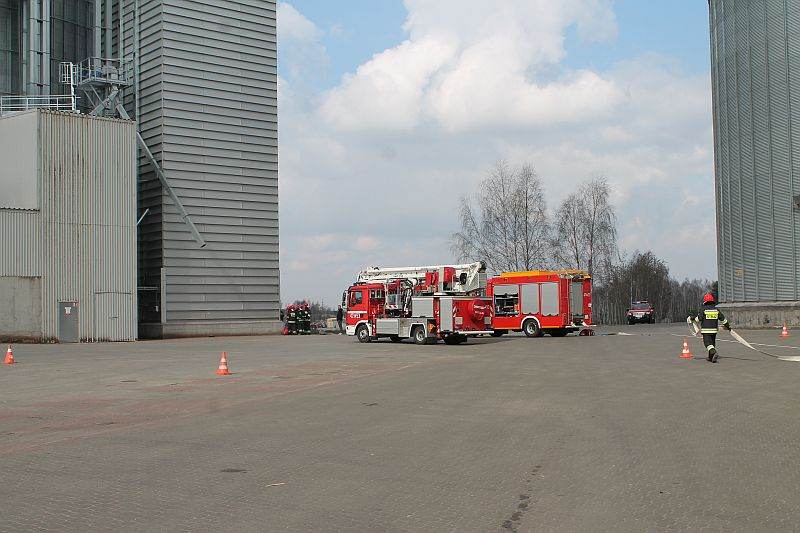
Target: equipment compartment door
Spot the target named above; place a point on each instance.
(550, 299)
(68, 322)
(530, 298)
(387, 326)
(576, 298)
(445, 314)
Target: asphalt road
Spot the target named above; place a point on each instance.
(319, 433)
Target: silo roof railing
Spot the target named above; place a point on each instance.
(13, 104)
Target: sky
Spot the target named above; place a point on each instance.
(390, 111)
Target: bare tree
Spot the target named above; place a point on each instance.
(569, 233)
(508, 228)
(585, 229)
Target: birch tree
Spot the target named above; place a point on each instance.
(585, 233)
(506, 223)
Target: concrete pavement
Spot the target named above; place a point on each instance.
(319, 433)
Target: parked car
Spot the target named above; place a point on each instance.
(641, 312)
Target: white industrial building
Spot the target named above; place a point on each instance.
(67, 227)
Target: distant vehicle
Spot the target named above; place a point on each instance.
(641, 312)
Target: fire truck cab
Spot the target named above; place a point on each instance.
(556, 302)
(424, 303)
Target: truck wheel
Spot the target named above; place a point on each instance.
(419, 335)
(531, 328)
(362, 333)
(395, 338)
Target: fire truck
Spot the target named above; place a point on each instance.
(426, 303)
(556, 302)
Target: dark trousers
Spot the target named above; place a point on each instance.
(339, 320)
(709, 339)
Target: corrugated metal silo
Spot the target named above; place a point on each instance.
(755, 67)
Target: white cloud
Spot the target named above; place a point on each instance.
(299, 41)
(294, 26)
(574, 98)
(372, 170)
(386, 92)
(320, 242)
(366, 242)
(471, 63)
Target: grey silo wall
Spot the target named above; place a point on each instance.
(147, 110)
(208, 111)
(755, 56)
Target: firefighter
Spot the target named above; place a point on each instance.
(339, 318)
(304, 319)
(291, 319)
(710, 319)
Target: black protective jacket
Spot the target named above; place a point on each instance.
(710, 318)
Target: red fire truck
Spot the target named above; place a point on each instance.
(556, 302)
(426, 303)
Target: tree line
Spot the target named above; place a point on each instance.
(646, 277)
(507, 223)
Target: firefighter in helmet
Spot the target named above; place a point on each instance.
(710, 319)
(303, 319)
(291, 319)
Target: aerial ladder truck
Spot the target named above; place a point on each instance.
(426, 303)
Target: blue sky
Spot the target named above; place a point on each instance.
(390, 111)
(673, 28)
(353, 31)
(357, 29)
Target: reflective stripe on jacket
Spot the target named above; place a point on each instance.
(710, 319)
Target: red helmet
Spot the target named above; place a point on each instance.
(709, 298)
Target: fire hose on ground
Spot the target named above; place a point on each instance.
(741, 340)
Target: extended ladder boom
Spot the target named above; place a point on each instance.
(466, 277)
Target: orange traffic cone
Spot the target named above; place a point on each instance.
(685, 353)
(9, 360)
(784, 332)
(223, 365)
